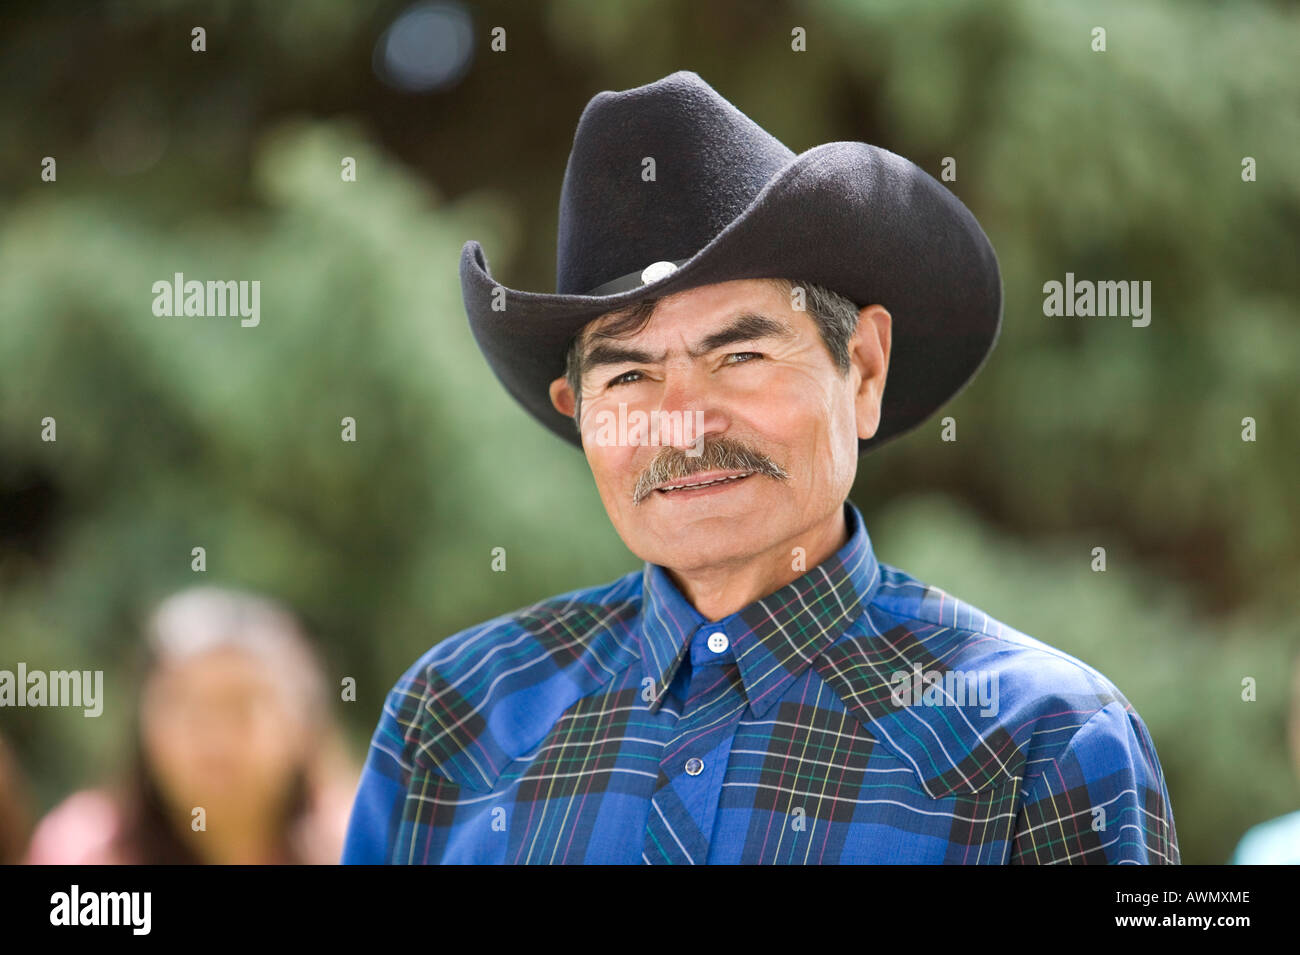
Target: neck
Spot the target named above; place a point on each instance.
(721, 590)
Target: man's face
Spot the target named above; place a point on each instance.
(773, 394)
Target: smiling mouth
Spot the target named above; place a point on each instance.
(691, 487)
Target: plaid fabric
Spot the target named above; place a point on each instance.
(840, 721)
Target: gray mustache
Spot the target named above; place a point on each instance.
(719, 454)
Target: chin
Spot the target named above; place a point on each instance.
(700, 550)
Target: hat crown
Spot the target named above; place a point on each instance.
(618, 213)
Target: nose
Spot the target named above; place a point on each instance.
(688, 408)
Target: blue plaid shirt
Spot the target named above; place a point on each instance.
(856, 715)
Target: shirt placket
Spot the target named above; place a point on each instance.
(694, 761)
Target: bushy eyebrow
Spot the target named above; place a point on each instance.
(743, 328)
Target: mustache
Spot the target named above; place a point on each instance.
(719, 454)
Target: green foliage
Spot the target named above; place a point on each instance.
(175, 432)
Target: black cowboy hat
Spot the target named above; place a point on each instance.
(727, 200)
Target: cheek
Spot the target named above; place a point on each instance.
(838, 443)
(613, 468)
(843, 420)
(168, 749)
(273, 745)
(173, 762)
(790, 409)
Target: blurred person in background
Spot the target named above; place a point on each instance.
(1277, 841)
(233, 720)
(15, 816)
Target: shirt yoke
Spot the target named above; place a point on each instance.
(482, 697)
(903, 670)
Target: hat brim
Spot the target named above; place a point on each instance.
(855, 218)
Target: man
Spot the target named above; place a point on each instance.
(764, 690)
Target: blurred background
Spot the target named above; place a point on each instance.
(176, 433)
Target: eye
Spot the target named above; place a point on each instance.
(742, 354)
(620, 379)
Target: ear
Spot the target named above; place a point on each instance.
(869, 356)
(562, 396)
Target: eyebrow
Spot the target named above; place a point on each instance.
(743, 328)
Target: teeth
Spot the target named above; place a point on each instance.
(678, 487)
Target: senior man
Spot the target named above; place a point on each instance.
(764, 690)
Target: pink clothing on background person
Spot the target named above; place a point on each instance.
(84, 828)
(80, 830)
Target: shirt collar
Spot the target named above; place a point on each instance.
(776, 637)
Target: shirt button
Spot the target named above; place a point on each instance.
(717, 642)
(694, 766)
